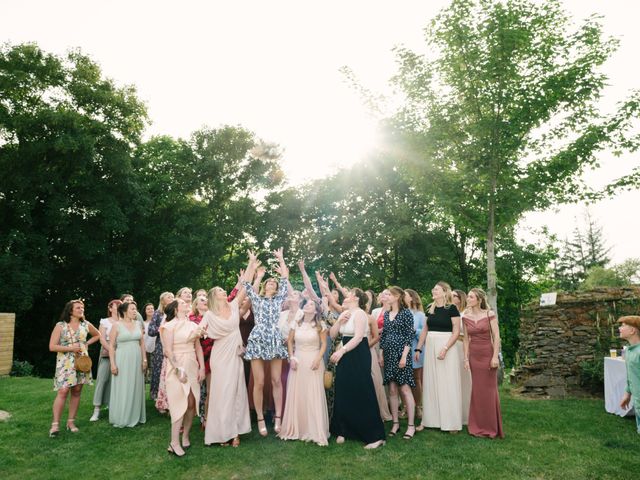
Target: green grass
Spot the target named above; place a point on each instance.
(545, 439)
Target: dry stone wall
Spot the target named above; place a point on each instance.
(555, 340)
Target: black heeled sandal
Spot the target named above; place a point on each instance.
(392, 432)
(406, 436)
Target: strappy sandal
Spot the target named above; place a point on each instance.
(263, 431)
(71, 426)
(54, 430)
(171, 450)
(406, 436)
(276, 424)
(392, 432)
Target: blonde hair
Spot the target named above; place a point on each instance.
(194, 303)
(163, 295)
(482, 298)
(212, 303)
(183, 289)
(264, 284)
(448, 299)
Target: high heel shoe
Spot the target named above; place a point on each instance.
(406, 436)
(171, 450)
(394, 430)
(263, 431)
(71, 426)
(276, 424)
(54, 430)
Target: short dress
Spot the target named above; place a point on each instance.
(397, 334)
(265, 340)
(66, 375)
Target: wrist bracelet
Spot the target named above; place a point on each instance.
(417, 350)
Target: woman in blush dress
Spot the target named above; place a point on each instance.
(184, 371)
(228, 416)
(355, 412)
(305, 413)
(481, 347)
(373, 334)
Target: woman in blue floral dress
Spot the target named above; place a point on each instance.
(70, 337)
(265, 342)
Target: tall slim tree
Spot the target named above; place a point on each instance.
(502, 118)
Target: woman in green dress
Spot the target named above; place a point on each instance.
(128, 363)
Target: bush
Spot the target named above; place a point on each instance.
(21, 369)
(592, 374)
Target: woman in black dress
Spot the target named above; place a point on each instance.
(395, 343)
(355, 411)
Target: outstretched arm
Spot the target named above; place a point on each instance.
(333, 278)
(307, 283)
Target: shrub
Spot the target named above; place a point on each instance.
(21, 369)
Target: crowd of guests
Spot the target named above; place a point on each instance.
(320, 364)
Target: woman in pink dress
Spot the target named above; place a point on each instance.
(481, 347)
(184, 371)
(228, 416)
(305, 413)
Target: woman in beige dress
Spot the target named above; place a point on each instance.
(228, 416)
(459, 299)
(185, 371)
(306, 416)
(376, 373)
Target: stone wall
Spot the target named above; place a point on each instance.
(555, 340)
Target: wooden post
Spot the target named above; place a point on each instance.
(7, 326)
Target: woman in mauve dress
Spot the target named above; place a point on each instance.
(481, 348)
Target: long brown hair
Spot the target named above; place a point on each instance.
(400, 292)
(482, 298)
(463, 299)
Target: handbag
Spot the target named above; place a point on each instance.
(83, 363)
(328, 379)
(500, 372)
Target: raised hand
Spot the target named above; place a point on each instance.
(279, 254)
(333, 278)
(260, 273)
(301, 265)
(252, 256)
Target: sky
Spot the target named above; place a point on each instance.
(274, 68)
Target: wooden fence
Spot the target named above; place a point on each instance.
(7, 326)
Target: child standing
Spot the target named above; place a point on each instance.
(630, 331)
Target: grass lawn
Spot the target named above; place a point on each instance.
(545, 439)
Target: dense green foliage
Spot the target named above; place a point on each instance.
(89, 209)
(568, 439)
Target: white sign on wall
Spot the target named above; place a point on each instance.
(547, 299)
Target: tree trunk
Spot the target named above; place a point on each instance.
(492, 277)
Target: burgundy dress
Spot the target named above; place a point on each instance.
(485, 419)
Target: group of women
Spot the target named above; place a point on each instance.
(396, 354)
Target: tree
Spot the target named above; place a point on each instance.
(504, 118)
(66, 141)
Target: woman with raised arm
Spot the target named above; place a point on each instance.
(305, 414)
(228, 416)
(265, 341)
(395, 343)
(481, 348)
(128, 364)
(441, 395)
(184, 372)
(198, 309)
(355, 412)
(103, 377)
(69, 338)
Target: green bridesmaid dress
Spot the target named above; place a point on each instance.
(126, 402)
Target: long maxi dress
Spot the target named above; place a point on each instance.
(378, 385)
(158, 357)
(228, 414)
(126, 401)
(396, 336)
(305, 413)
(184, 350)
(485, 419)
(355, 412)
(441, 384)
